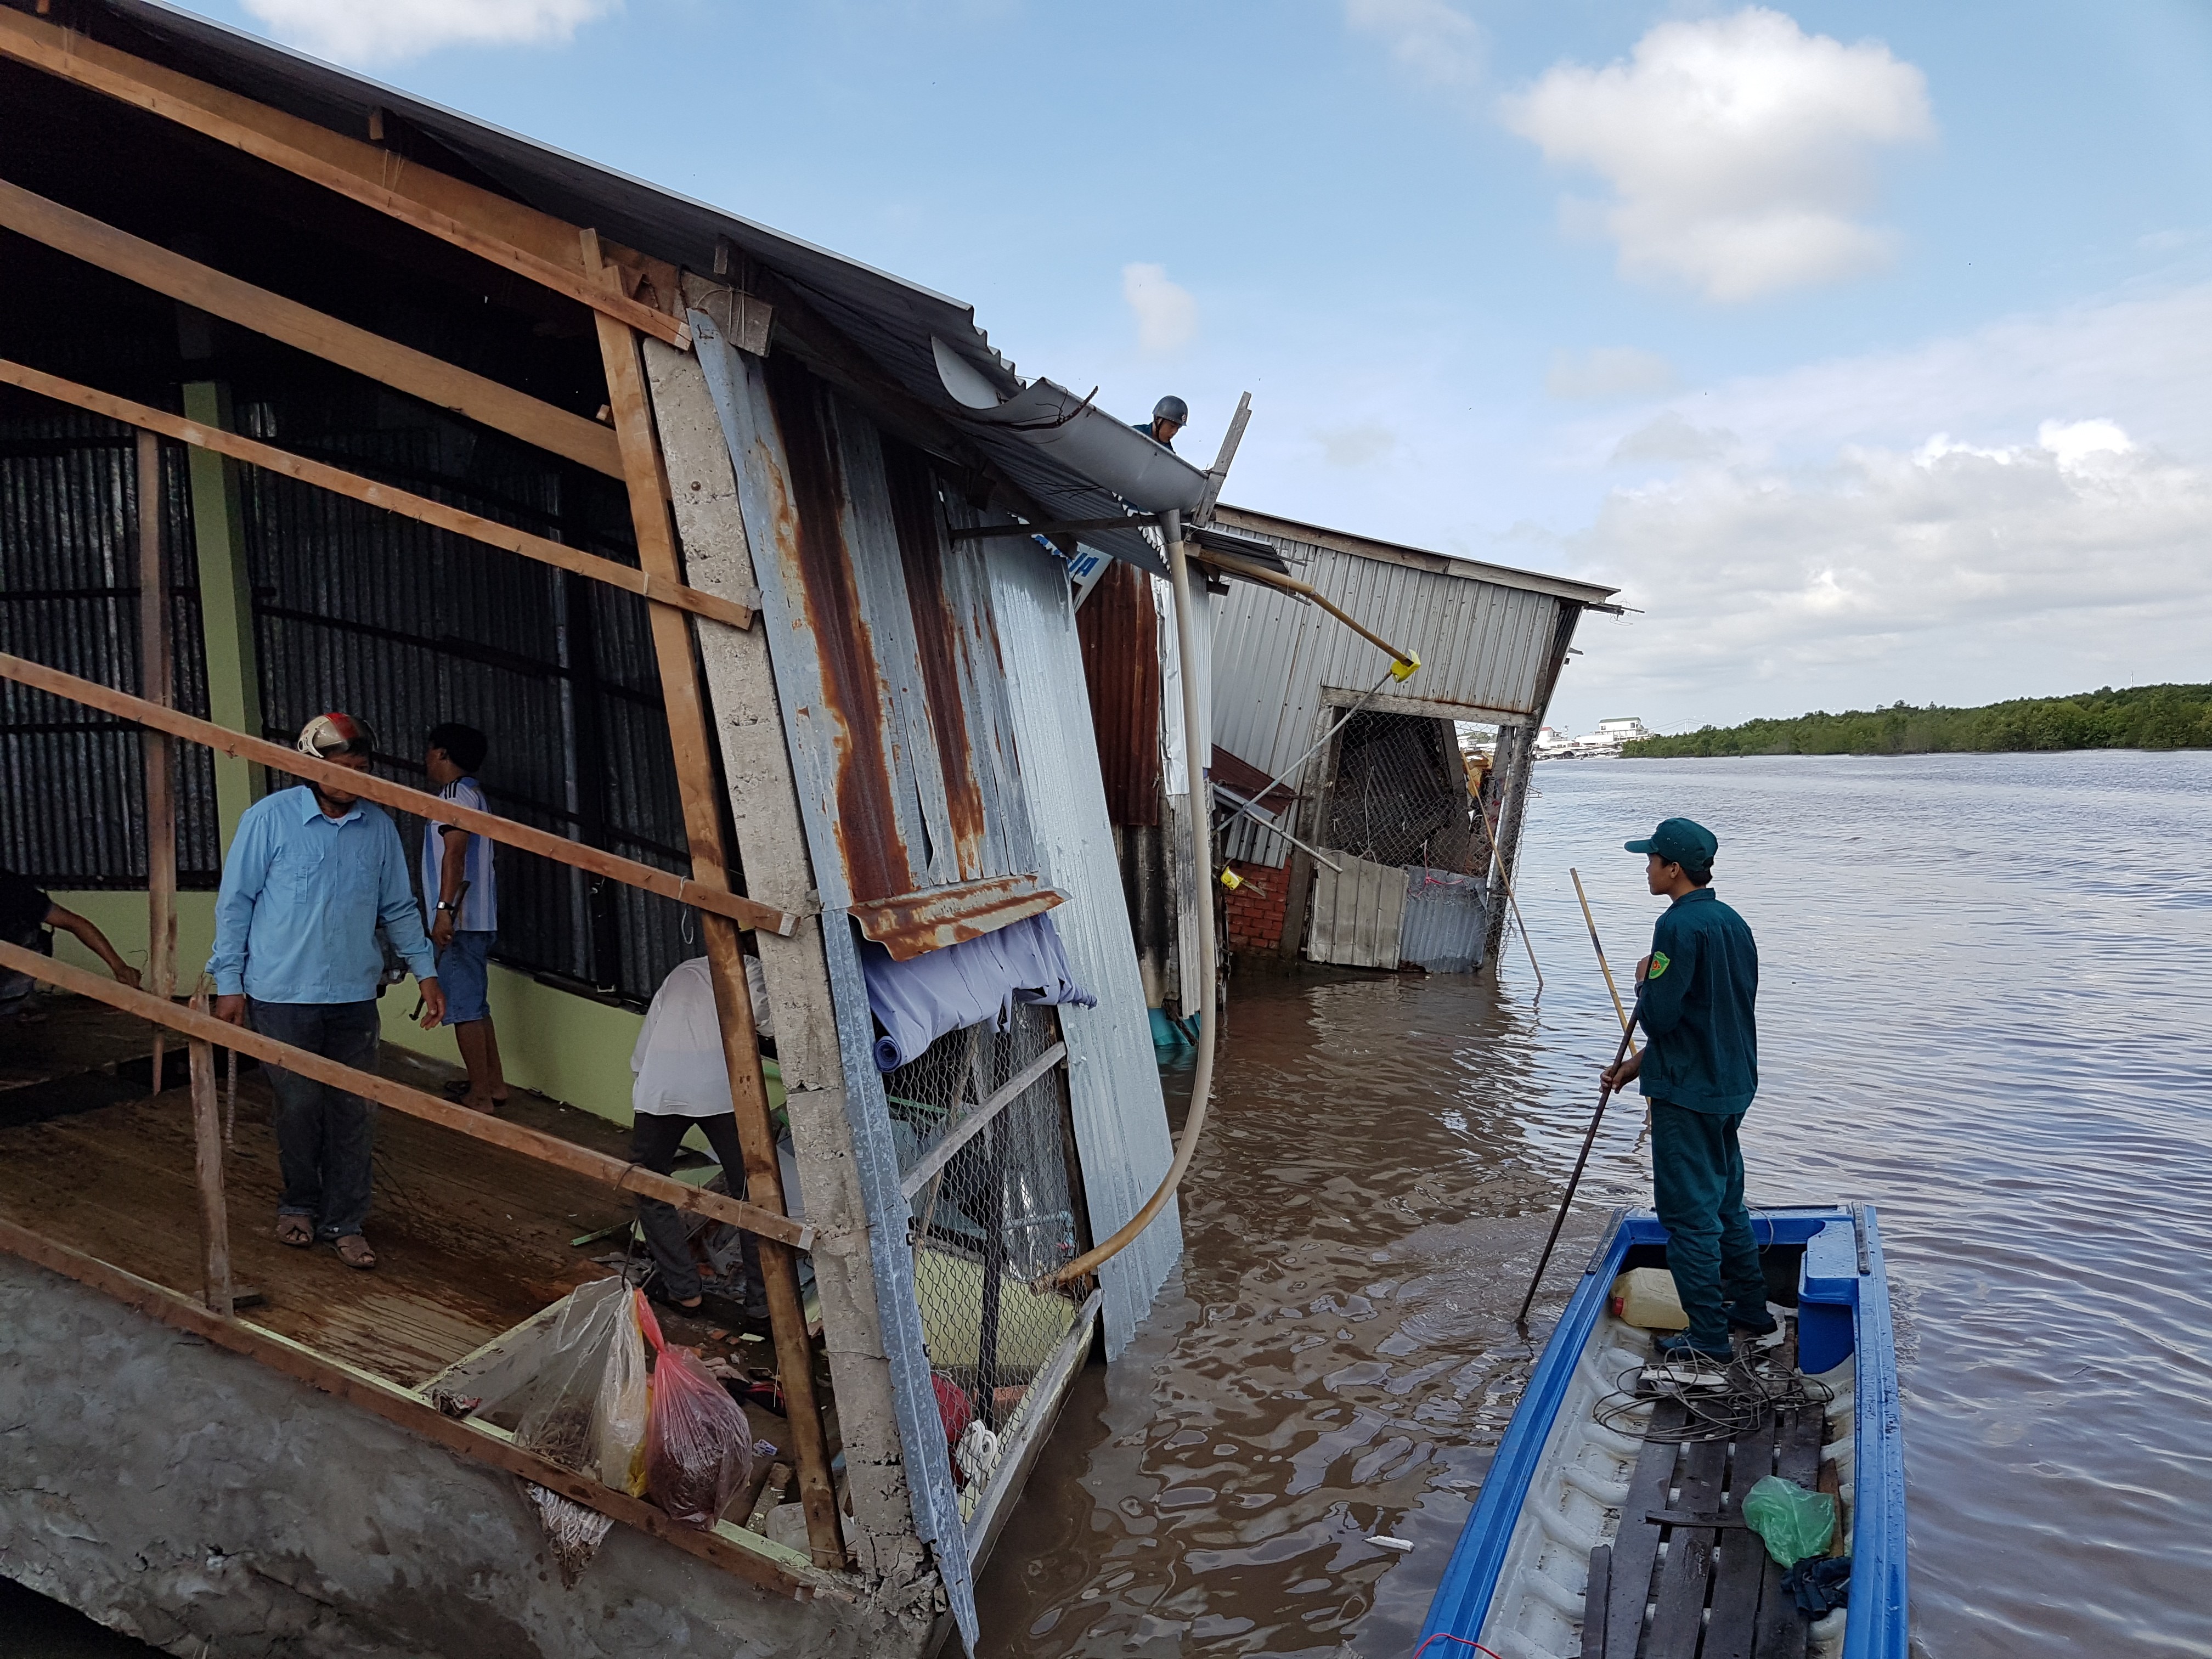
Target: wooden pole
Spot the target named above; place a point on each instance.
(157, 680)
(546, 1149)
(207, 1174)
(746, 912)
(1603, 966)
(690, 737)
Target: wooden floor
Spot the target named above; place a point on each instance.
(471, 1239)
(1672, 1590)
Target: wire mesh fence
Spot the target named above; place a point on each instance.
(1399, 793)
(990, 1221)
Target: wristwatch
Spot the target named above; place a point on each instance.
(455, 908)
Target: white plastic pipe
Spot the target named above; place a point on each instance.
(1197, 744)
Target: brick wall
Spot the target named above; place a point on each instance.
(1255, 910)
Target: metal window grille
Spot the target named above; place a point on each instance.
(73, 780)
(1003, 1212)
(1398, 795)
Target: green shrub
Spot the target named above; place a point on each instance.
(2137, 717)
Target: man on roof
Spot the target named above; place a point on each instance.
(311, 874)
(1169, 415)
(1700, 1071)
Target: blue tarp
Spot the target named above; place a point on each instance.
(918, 1001)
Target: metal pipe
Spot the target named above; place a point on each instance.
(1402, 662)
(1195, 749)
(1251, 809)
(1319, 743)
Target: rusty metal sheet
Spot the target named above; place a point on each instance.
(884, 645)
(1118, 627)
(912, 923)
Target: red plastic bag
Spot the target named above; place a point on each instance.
(698, 1441)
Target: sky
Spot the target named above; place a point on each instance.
(1864, 348)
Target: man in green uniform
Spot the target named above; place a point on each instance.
(1700, 1071)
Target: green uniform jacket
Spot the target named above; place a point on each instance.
(1698, 997)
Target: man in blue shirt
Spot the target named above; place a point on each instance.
(311, 872)
(1700, 1071)
(457, 884)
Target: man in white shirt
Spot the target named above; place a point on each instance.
(458, 889)
(683, 1080)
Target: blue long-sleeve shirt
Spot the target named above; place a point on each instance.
(301, 895)
(1697, 1007)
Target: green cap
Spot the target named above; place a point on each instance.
(1680, 841)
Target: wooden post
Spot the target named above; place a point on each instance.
(689, 736)
(157, 684)
(207, 1171)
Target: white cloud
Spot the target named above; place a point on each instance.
(1738, 150)
(1608, 372)
(1166, 312)
(1430, 41)
(1943, 571)
(1670, 438)
(1356, 446)
(373, 31)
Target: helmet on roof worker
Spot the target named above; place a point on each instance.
(336, 734)
(1172, 408)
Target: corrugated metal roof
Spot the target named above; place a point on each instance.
(1484, 634)
(1114, 1080)
(895, 322)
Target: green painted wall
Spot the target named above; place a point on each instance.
(226, 605)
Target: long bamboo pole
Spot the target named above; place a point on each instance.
(156, 675)
(476, 1125)
(1603, 966)
(370, 493)
(691, 740)
(747, 912)
(207, 1177)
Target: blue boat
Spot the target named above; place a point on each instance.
(1608, 1526)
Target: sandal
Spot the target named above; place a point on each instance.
(296, 1230)
(353, 1250)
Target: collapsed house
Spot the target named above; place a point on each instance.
(315, 396)
(1349, 821)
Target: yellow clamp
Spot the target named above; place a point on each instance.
(1403, 668)
(1231, 879)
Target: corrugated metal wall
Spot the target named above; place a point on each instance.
(1118, 627)
(406, 626)
(1121, 1120)
(1484, 648)
(72, 780)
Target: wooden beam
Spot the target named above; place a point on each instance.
(124, 79)
(478, 1126)
(207, 1177)
(410, 1412)
(420, 508)
(716, 900)
(157, 678)
(402, 368)
(690, 733)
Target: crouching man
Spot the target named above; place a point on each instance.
(311, 872)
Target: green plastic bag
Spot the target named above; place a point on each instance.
(1792, 1523)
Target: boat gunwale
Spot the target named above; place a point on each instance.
(1468, 1588)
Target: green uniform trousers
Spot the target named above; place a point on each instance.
(1697, 1182)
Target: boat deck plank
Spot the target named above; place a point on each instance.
(471, 1239)
(1736, 1577)
(1636, 1548)
(1783, 1632)
(1686, 1570)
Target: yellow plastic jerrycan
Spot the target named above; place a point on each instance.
(1645, 1298)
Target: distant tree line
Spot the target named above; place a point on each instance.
(2137, 717)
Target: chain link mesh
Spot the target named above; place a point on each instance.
(1400, 793)
(1001, 1215)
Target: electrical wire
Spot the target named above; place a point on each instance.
(1755, 1393)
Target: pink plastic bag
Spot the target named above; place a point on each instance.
(698, 1441)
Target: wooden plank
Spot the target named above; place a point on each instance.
(489, 532)
(1679, 1610)
(409, 1411)
(718, 901)
(691, 740)
(1736, 1578)
(157, 680)
(1596, 1592)
(771, 844)
(402, 368)
(966, 1130)
(1782, 1631)
(478, 1126)
(207, 1176)
(126, 81)
(1636, 1547)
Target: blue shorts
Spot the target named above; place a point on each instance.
(462, 968)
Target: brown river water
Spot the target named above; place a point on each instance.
(1981, 1009)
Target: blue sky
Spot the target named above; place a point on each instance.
(1864, 347)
